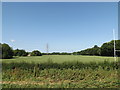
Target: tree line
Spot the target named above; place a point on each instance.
(107, 49)
(57, 53)
(6, 52)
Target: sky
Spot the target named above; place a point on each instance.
(65, 26)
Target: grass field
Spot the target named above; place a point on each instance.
(60, 71)
(59, 59)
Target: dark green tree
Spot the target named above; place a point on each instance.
(7, 51)
(90, 51)
(118, 47)
(36, 53)
(107, 49)
(0, 51)
(18, 52)
(96, 50)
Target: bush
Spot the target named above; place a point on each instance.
(7, 51)
(36, 53)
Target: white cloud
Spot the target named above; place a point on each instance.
(12, 40)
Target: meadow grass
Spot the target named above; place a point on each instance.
(60, 71)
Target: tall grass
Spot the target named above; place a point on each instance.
(65, 65)
(61, 75)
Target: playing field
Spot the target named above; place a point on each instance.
(59, 59)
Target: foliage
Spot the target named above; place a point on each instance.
(57, 53)
(36, 53)
(90, 51)
(65, 53)
(18, 52)
(118, 47)
(0, 50)
(107, 49)
(7, 51)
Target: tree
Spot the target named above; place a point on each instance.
(107, 49)
(65, 53)
(36, 53)
(55, 53)
(90, 51)
(118, 47)
(7, 51)
(96, 50)
(0, 51)
(18, 52)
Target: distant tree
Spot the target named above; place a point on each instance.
(55, 53)
(90, 51)
(0, 51)
(107, 49)
(7, 51)
(95, 46)
(44, 53)
(65, 53)
(36, 53)
(118, 47)
(96, 50)
(18, 52)
(75, 53)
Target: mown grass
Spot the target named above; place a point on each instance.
(53, 74)
(59, 59)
